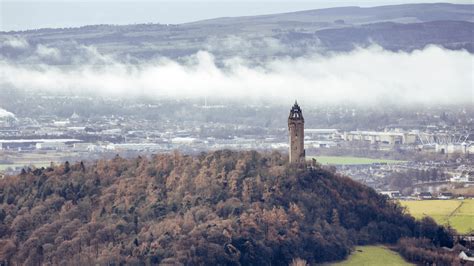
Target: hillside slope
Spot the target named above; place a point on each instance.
(405, 13)
(223, 207)
(399, 27)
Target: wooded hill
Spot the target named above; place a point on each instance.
(221, 207)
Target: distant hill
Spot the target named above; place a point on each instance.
(406, 13)
(223, 207)
(398, 27)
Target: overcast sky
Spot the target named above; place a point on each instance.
(33, 14)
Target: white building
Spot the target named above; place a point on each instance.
(381, 137)
(459, 179)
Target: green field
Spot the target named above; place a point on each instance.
(373, 255)
(340, 160)
(457, 213)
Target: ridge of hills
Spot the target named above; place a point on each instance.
(216, 208)
(395, 28)
(404, 13)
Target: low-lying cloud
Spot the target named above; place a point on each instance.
(14, 42)
(47, 52)
(364, 76)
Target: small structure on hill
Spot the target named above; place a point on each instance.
(296, 132)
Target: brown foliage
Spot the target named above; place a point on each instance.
(422, 251)
(221, 207)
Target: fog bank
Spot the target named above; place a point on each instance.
(364, 76)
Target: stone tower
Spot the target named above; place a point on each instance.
(296, 132)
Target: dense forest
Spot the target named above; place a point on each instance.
(222, 207)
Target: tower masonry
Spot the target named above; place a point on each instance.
(296, 133)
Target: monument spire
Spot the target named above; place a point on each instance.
(296, 134)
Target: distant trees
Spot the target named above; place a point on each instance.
(404, 180)
(422, 251)
(221, 207)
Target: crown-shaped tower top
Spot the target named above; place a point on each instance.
(295, 112)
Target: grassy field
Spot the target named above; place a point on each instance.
(3, 167)
(457, 213)
(350, 160)
(373, 255)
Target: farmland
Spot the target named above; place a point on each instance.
(348, 160)
(17, 160)
(457, 213)
(4, 167)
(373, 255)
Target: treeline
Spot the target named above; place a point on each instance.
(404, 180)
(223, 207)
(423, 252)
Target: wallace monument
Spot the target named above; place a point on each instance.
(296, 132)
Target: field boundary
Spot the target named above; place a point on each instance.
(455, 210)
